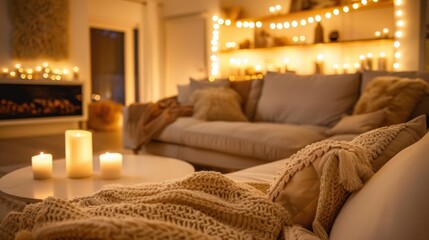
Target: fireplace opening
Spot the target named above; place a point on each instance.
(22, 101)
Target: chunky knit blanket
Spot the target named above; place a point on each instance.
(204, 205)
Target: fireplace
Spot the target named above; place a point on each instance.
(25, 99)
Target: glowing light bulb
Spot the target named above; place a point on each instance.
(279, 26)
(286, 25)
(400, 23)
(336, 12)
(294, 23)
(215, 18)
(310, 20)
(303, 22)
(239, 24)
(399, 13)
(228, 22)
(355, 5)
(318, 18)
(328, 15)
(346, 9)
(258, 24)
(396, 44)
(272, 26)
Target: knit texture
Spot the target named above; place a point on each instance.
(339, 168)
(204, 205)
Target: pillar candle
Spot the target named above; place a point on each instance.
(78, 153)
(110, 165)
(42, 166)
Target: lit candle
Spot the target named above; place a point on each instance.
(386, 32)
(110, 165)
(75, 73)
(345, 68)
(362, 62)
(377, 34)
(78, 153)
(42, 166)
(286, 62)
(335, 67)
(369, 61)
(319, 64)
(382, 62)
(5, 72)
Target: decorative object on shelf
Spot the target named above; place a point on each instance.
(42, 166)
(319, 65)
(245, 44)
(78, 153)
(334, 36)
(110, 165)
(369, 65)
(261, 38)
(31, 40)
(318, 33)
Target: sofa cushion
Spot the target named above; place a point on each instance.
(217, 104)
(398, 95)
(267, 141)
(393, 204)
(313, 99)
(384, 143)
(253, 99)
(315, 182)
(359, 123)
(243, 89)
(174, 132)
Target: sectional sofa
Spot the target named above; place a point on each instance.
(279, 115)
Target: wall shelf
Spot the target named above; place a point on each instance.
(347, 43)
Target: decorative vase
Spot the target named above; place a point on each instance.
(318, 33)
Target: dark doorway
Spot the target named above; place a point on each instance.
(108, 65)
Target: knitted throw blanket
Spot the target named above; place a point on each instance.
(204, 205)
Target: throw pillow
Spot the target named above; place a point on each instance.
(398, 95)
(185, 91)
(384, 143)
(313, 99)
(252, 100)
(217, 104)
(368, 76)
(315, 182)
(242, 88)
(358, 123)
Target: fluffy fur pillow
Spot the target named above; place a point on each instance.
(398, 95)
(316, 181)
(217, 104)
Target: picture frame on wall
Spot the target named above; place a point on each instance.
(303, 5)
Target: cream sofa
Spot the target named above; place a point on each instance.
(392, 204)
(284, 116)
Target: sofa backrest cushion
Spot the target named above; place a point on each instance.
(253, 98)
(393, 204)
(312, 99)
(398, 95)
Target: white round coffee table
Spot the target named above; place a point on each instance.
(20, 184)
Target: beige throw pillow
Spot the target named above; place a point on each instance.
(217, 104)
(398, 95)
(360, 123)
(316, 181)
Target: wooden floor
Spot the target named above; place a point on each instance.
(17, 152)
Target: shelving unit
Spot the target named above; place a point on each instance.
(357, 28)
